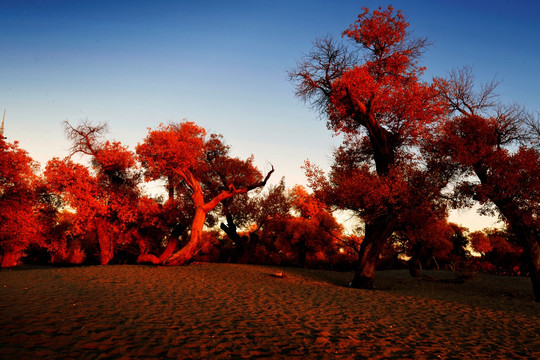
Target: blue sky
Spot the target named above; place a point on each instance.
(223, 65)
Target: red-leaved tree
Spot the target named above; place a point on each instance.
(192, 162)
(499, 157)
(380, 103)
(104, 199)
(19, 224)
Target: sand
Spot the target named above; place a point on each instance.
(225, 311)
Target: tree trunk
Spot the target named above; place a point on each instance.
(169, 249)
(240, 242)
(374, 240)
(383, 150)
(10, 259)
(413, 269)
(194, 245)
(302, 255)
(185, 254)
(382, 142)
(528, 239)
(533, 256)
(230, 230)
(106, 247)
(364, 276)
(377, 232)
(531, 248)
(436, 263)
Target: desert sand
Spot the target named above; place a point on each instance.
(225, 311)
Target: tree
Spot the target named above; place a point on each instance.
(62, 243)
(499, 160)
(383, 107)
(190, 161)
(309, 235)
(105, 200)
(425, 241)
(499, 251)
(159, 225)
(19, 224)
(252, 215)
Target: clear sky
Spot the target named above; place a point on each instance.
(222, 64)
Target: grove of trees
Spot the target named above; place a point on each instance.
(412, 150)
(407, 140)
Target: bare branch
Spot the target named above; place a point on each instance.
(85, 137)
(232, 191)
(315, 73)
(508, 124)
(262, 183)
(532, 126)
(459, 91)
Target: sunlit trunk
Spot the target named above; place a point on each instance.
(169, 249)
(10, 259)
(106, 247)
(364, 276)
(374, 240)
(194, 245)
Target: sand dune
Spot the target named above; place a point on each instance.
(209, 311)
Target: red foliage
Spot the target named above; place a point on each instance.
(172, 151)
(384, 91)
(480, 242)
(308, 237)
(380, 30)
(19, 217)
(498, 250)
(187, 159)
(62, 244)
(105, 200)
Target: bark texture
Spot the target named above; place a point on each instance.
(374, 240)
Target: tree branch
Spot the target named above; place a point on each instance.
(232, 191)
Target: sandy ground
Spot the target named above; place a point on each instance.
(215, 311)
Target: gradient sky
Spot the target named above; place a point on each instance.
(222, 64)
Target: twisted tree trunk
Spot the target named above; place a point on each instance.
(370, 249)
(184, 255)
(169, 249)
